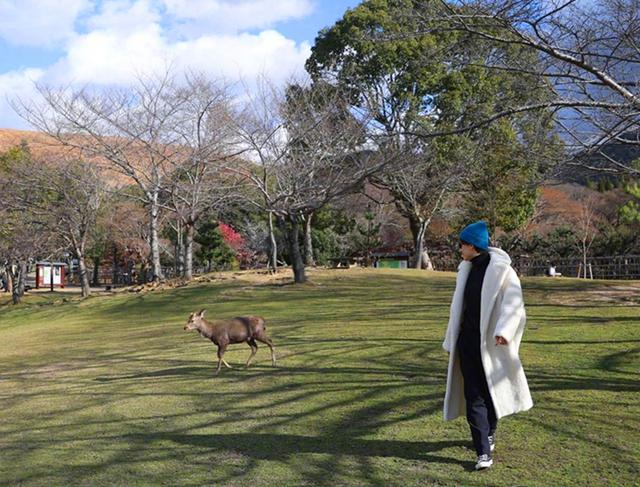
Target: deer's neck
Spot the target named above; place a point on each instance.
(204, 330)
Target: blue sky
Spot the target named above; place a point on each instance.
(110, 42)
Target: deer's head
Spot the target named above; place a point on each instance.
(194, 320)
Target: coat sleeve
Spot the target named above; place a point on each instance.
(512, 309)
(447, 339)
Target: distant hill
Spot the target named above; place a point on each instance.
(47, 149)
(40, 144)
(612, 151)
(561, 201)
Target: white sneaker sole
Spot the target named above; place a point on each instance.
(484, 465)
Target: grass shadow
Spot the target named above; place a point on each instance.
(280, 446)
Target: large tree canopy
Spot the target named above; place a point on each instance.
(422, 91)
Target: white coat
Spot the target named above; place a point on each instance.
(501, 314)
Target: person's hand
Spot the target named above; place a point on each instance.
(500, 340)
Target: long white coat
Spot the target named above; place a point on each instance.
(501, 314)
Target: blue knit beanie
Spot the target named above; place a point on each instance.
(477, 235)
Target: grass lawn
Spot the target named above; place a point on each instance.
(111, 390)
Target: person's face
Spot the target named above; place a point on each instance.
(467, 251)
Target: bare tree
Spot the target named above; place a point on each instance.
(308, 150)
(587, 55)
(421, 187)
(586, 230)
(200, 181)
(126, 225)
(23, 238)
(21, 241)
(131, 129)
(63, 198)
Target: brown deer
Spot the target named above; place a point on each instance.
(235, 330)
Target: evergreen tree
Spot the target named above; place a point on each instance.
(213, 248)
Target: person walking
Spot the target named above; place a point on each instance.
(485, 378)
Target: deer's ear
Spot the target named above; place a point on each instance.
(202, 312)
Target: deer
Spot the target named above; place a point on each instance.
(235, 330)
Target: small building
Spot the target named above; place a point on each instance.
(391, 260)
(48, 273)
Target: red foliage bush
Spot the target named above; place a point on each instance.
(234, 240)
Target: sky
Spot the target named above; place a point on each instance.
(111, 42)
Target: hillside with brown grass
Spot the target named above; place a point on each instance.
(560, 203)
(40, 144)
(46, 149)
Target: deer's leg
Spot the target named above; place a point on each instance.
(254, 349)
(265, 339)
(221, 349)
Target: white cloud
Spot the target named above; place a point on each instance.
(199, 17)
(121, 40)
(124, 16)
(41, 23)
(17, 82)
(244, 56)
(16, 85)
(106, 57)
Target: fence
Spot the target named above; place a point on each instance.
(107, 277)
(612, 267)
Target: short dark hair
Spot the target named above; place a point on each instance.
(480, 251)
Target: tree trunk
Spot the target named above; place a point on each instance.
(15, 296)
(10, 283)
(188, 251)
(297, 264)
(19, 282)
(96, 272)
(426, 260)
(308, 244)
(418, 230)
(584, 259)
(273, 247)
(179, 250)
(84, 275)
(114, 268)
(144, 271)
(154, 212)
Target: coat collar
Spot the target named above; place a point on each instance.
(493, 279)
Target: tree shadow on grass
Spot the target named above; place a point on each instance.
(240, 372)
(541, 381)
(579, 342)
(280, 446)
(170, 372)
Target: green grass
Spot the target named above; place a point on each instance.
(112, 391)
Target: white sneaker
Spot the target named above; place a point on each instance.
(492, 442)
(484, 461)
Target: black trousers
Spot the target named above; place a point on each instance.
(481, 414)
